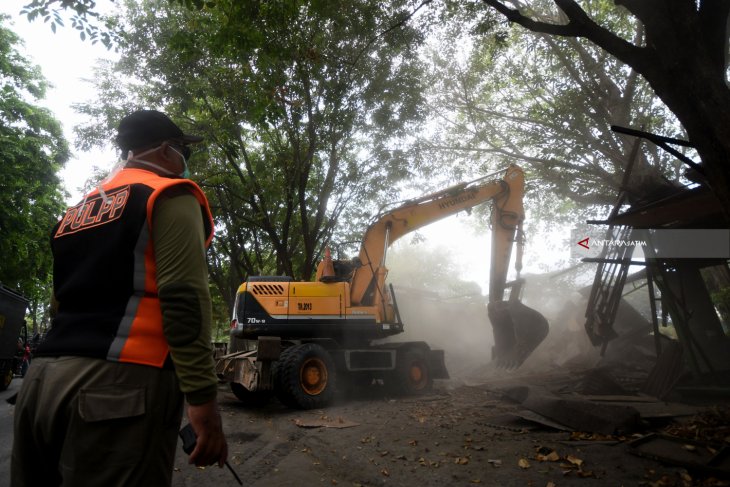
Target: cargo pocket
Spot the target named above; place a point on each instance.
(101, 404)
(109, 428)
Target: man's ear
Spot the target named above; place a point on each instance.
(166, 152)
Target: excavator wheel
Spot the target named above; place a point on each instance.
(412, 375)
(248, 398)
(518, 330)
(305, 377)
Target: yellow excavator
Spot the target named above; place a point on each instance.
(299, 339)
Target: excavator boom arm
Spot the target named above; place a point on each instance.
(517, 328)
(391, 225)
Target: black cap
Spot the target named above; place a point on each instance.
(144, 128)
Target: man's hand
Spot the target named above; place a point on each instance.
(211, 446)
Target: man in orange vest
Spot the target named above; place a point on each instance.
(131, 334)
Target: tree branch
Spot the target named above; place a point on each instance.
(380, 35)
(579, 25)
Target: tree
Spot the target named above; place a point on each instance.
(85, 18)
(302, 105)
(683, 57)
(32, 151)
(420, 267)
(548, 103)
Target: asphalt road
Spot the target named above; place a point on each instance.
(6, 430)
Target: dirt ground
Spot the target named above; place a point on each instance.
(459, 435)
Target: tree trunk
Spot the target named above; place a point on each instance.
(701, 102)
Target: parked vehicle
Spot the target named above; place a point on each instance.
(12, 321)
(298, 339)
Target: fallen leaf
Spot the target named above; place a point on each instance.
(580, 435)
(523, 463)
(495, 463)
(550, 457)
(334, 482)
(690, 447)
(574, 460)
(413, 442)
(384, 453)
(585, 473)
(461, 461)
(385, 472)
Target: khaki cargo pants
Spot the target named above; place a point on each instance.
(88, 422)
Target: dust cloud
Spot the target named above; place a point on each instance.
(451, 314)
(459, 326)
(557, 296)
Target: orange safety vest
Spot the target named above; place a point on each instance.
(105, 278)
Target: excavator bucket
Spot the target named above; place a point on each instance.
(518, 330)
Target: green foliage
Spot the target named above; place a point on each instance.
(32, 151)
(85, 18)
(304, 106)
(547, 104)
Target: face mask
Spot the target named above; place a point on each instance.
(130, 158)
(184, 174)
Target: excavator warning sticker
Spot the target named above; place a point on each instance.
(94, 211)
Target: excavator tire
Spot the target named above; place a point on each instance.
(305, 377)
(412, 375)
(518, 330)
(248, 398)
